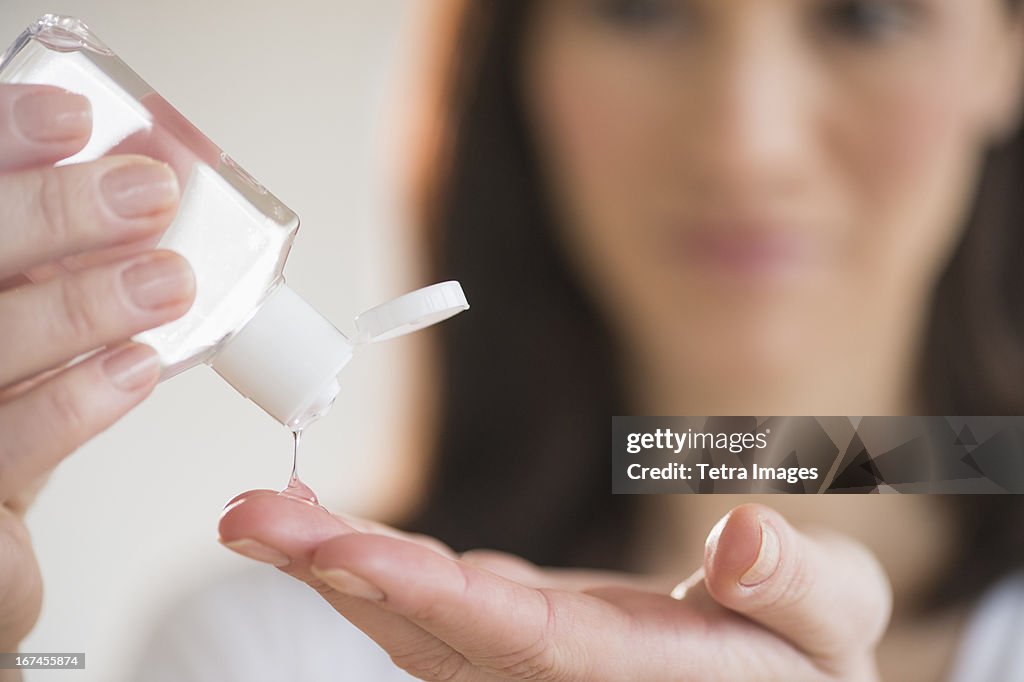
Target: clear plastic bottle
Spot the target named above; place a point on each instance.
(255, 331)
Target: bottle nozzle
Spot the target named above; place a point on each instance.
(287, 358)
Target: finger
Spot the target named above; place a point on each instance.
(827, 595)
(508, 566)
(9, 393)
(53, 212)
(14, 281)
(19, 573)
(161, 142)
(276, 519)
(241, 497)
(527, 573)
(500, 626)
(700, 641)
(89, 259)
(20, 502)
(44, 425)
(275, 529)
(607, 633)
(40, 125)
(377, 528)
(63, 318)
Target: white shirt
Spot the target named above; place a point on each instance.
(263, 626)
(992, 649)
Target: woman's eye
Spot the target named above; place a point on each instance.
(640, 15)
(870, 20)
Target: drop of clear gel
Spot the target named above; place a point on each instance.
(296, 489)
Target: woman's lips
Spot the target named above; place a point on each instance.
(744, 252)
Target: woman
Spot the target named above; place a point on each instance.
(657, 207)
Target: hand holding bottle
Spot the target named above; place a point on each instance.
(77, 276)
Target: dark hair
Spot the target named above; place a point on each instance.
(529, 378)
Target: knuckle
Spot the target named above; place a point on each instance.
(482, 557)
(23, 498)
(539, 660)
(794, 590)
(430, 610)
(78, 314)
(867, 617)
(431, 543)
(864, 669)
(66, 407)
(876, 606)
(52, 205)
(426, 611)
(503, 564)
(437, 663)
(534, 662)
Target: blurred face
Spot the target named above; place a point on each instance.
(749, 187)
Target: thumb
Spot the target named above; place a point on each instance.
(826, 594)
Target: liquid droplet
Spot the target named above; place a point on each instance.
(296, 489)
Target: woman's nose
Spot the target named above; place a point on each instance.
(757, 113)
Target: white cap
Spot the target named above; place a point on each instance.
(411, 312)
(287, 357)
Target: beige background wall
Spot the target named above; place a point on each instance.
(311, 97)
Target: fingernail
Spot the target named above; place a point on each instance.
(349, 583)
(711, 544)
(52, 116)
(159, 281)
(767, 557)
(258, 551)
(140, 189)
(132, 367)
